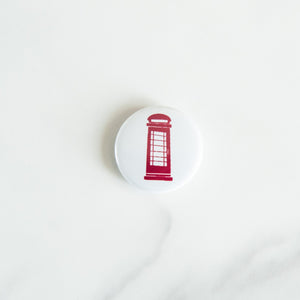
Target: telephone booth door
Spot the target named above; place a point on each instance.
(158, 162)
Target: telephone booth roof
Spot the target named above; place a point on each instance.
(159, 120)
(159, 117)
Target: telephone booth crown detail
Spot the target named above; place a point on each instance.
(158, 160)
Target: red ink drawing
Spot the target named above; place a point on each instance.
(158, 165)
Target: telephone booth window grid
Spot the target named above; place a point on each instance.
(158, 148)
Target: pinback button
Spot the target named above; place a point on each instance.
(158, 149)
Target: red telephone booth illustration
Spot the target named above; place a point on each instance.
(158, 165)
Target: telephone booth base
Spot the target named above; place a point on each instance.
(158, 177)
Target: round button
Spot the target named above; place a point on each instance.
(158, 149)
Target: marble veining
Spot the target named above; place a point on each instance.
(71, 72)
(129, 279)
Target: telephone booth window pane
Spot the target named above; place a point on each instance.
(158, 149)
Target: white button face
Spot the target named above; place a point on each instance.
(158, 149)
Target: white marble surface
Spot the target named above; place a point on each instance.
(71, 227)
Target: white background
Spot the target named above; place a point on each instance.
(71, 72)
